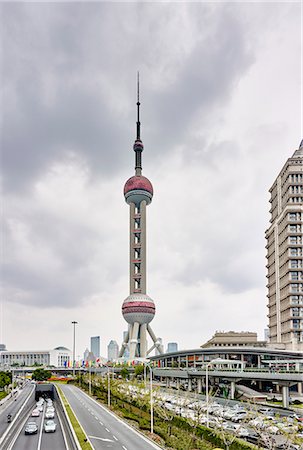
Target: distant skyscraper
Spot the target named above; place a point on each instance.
(284, 256)
(85, 355)
(95, 346)
(112, 351)
(172, 347)
(266, 334)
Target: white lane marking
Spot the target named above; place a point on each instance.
(124, 447)
(115, 437)
(100, 438)
(97, 418)
(107, 430)
(41, 429)
(101, 423)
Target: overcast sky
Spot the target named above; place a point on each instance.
(220, 95)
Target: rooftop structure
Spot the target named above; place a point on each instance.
(234, 339)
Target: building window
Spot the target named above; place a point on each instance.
(293, 240)
(294, 263)
(294, 252)
(294, 275)
(292, 228)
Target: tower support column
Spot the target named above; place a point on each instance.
(133, 341)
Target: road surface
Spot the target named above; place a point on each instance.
(103, 428)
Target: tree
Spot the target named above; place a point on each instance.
(41, 375)
(124, 373)
(5, 379)
(139, 371)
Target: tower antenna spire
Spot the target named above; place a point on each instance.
(138, 107)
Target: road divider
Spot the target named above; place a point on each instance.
(79, 434)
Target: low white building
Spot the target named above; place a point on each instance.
(58, 357)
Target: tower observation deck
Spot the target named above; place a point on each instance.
(138, 308)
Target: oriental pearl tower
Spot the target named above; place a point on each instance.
(138, 308)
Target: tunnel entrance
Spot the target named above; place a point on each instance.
(44, 390)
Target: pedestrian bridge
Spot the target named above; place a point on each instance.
(283, 379)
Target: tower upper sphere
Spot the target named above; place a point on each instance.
(138, 188)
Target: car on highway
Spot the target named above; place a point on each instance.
(39, 408)
(49, 414)
(35, 413)
(49, 426)
(50, 408)
(31, 428)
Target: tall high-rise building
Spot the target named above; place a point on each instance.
(138, 308)
(95, 346)
(112, 351)
(172, 347)
(284, 256)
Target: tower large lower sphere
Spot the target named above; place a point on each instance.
(138, 308)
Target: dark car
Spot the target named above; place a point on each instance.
(31, 428)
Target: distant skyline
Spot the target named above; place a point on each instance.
(220, 113)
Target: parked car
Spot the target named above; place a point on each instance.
(31, 428)
(50, 426)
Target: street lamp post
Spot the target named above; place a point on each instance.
(90, 379)
(151, 394)
(151, 401)
(206, 387)
(144, 374)
(74, 323)
(108, 388)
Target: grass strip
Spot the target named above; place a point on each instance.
(85, 445)
(2, 395)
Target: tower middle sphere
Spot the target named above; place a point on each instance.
(137, 189)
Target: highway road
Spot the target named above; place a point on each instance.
(41, 440)
(16, 438)
(103, 428)
(13, 407)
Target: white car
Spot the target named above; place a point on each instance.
(50, 408)
(35, 413)
(49, 426)
(49, 414)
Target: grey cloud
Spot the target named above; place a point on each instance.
(56, 58)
